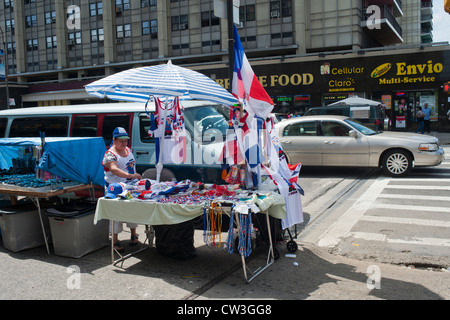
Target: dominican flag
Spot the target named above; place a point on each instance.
(246, 85)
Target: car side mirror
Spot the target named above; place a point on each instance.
(353, 133)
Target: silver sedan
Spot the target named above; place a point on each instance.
(341, 141)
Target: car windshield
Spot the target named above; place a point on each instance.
(360, 127)
(207, 122)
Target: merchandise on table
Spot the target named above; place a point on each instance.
(30, 180)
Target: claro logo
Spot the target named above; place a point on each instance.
(380, 70)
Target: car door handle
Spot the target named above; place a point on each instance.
(141, 152)
(284, 141)
(328, 142)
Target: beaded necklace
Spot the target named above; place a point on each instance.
(212, 224)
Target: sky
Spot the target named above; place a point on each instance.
(441, 22)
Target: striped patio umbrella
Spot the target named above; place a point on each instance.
(161, 80)
(166, 80)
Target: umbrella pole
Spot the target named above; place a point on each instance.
(159, 165)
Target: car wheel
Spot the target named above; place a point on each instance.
(397, 163)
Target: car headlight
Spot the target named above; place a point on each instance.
(428, 147)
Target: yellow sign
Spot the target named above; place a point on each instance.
(380, 70)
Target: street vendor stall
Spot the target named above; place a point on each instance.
(187, 200)
(39, 168)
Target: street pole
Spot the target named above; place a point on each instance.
(5, 55)
(230, 41)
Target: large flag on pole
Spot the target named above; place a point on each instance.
(245, 84)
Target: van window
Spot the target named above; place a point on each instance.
(31, 126)
(337, 112)
(111, 122)
(85, 126)
(206, 122)
(3, 124)
(144, 125)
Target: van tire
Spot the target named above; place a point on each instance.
(166, 175)
(397, 163)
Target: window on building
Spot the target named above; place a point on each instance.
(51, 42)
(74, 38)
(145, 27)
(11, 47)
(180, 22)
(32, 44)
(208, 19)
(97, 35)
(30, 21)
(50, 17)
(146, 3)
(247, 13)
(280, 9)
(123, 31)
(122, 5)
(9, 4)
(96, 9)
(9, 25)
(150, 28)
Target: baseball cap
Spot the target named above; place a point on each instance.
(120, 133)
(114, 190)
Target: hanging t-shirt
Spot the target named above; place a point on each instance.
(173, 130)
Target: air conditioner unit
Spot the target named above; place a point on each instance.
(119, 40)
(275, 14)
(70, 42)
(183, 26)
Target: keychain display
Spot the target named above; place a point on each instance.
(212, 224)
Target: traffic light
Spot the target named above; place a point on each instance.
(447, 6)
(446, 87)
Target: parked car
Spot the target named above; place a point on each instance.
(281, 116)
(369, 115)
(342, 141)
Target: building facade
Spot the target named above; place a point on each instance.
(54, 47)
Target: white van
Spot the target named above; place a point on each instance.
(206, 124)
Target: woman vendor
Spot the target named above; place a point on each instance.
(120, 167)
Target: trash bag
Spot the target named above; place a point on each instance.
(176, 241)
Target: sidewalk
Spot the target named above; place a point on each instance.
(214, 274)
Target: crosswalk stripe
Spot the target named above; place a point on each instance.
(421, 180)
(346, 222)
(413, 187)
(420, 222)
(414, 197)
(382, 237)
(412, 208)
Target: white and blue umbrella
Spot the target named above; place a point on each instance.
(168, 80)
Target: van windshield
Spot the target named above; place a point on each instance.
(207, 123)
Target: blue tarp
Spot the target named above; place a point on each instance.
(77, 159)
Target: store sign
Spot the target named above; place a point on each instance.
(411, 73)
(397, 72)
